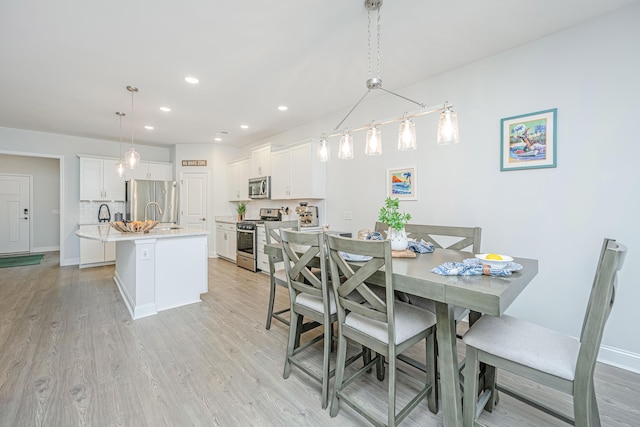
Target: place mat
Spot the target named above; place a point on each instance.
(403, 254)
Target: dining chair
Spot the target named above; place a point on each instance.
(277, 276)
(544, 356)
(310, 297)
(386, 326)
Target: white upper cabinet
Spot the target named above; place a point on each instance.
(260, 162)
(238, 180)
(297, 173)
(98, 180)
(154, 171)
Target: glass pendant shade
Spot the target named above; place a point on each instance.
(448, 128)
(132, 158)
(120, 166)
(345, 150)
(373, 144)
(407, 136)
(323, 150)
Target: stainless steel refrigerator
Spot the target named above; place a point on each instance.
(141, 195)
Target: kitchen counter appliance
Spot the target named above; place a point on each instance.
(155, 200)
(247, 242)
(308, 215)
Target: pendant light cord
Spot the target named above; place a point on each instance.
(132, 121)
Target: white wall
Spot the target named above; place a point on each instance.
(45, 222)
(559, 215)
(23, 142)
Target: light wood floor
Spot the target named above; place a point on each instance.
(70, 355)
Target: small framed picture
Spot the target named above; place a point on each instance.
(529, 141)
(402, 183)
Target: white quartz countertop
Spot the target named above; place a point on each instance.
(226, 219)
(106, 233)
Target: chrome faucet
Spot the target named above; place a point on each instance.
(145, 209)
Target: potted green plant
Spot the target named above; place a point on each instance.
(241, 209)
(389, 214)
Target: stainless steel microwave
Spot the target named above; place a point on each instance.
(260, 188)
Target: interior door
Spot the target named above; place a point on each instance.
(193, 207)
(14, 213)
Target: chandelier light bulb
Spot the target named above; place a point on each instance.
(132, 158)
(448, 128)
(407, 135)
(323, 149)
(120, 168)
(373, 144)
(345, 150)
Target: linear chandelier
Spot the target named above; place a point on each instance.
(447, 125)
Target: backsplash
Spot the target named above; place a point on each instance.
(89, 211)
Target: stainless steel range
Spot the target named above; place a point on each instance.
(247, 251)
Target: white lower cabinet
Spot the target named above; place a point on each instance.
(263, 261)
(94, 252)
(226, 241)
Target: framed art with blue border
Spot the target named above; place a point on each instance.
(529, 141)
(402, 183)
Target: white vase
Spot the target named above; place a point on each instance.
(399, 241)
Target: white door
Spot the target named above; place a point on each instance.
(193, 203)
(14, 213)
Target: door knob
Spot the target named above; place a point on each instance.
(25, 218)
(203, 219)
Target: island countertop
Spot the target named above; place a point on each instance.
(106, 233)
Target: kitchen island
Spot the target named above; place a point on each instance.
(162, 269)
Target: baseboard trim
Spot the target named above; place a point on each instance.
(619, 358)
(46, 249)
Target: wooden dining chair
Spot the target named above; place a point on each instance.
(386, 326)
(310, 297)
(277, 276)
(544, 356)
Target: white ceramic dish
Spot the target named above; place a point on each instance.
(494, 263)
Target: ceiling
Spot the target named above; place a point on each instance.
(66, 64)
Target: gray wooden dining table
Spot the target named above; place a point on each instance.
(481, 294)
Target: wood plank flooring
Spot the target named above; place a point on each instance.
(70, 355)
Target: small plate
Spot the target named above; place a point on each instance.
(494, 263)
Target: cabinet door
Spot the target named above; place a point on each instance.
(262, 260)
(309, 173)
(160, 172)
(243, 179)
(91, 251)
(232, 242)
(233, 176)
(91, 179)
(281, 175)
(260, 162)
(113, 185)
(221, 241)
(138, 173)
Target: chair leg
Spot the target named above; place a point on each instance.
(328, 341)
(471, 372)
(490, 379)
(432, 373)
(391, 415)
(585, 406)
(340, 362)
(293, 335)
(380, 367)
(272, 299)
(366, 357)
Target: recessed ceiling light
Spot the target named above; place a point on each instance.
(165, 109)
(217, 139)
(192, 80)
(283, 108)
(148, 127)
(244, 126)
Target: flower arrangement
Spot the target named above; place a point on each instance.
(390, 215)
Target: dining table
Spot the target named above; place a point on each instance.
(482, 294)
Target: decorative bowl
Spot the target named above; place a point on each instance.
(494, 263)
(134, 226)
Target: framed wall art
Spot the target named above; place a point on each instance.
(402, 183)
(529, 141)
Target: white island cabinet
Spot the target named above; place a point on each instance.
(158, 270)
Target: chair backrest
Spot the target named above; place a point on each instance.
(302, 251)
(272, 235)
(467, 238)
(600, 303)
(345, 280)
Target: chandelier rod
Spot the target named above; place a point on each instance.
(410, 115)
